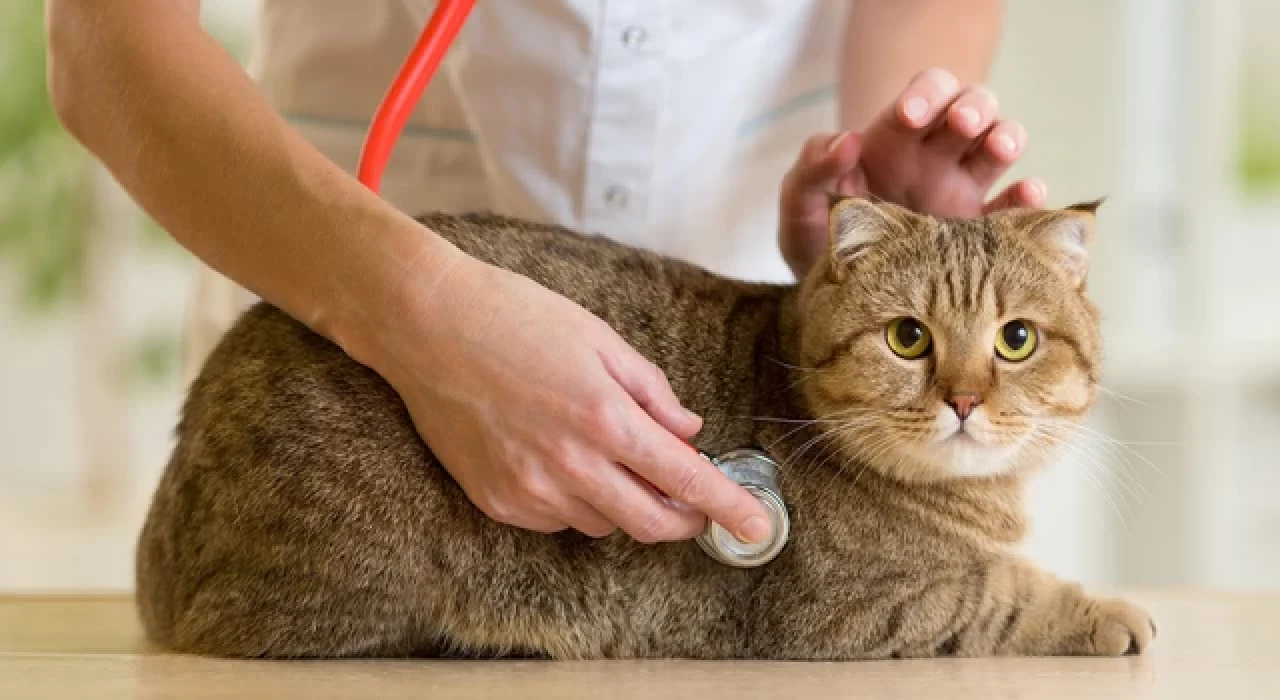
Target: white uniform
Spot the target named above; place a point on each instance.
(665, 124)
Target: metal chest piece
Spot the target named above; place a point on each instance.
(758, 474)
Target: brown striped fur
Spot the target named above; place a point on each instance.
(301, 515)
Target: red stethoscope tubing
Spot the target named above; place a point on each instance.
(407, 88)
(405, 91)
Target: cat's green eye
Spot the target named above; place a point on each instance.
(1016, 341)
(908, 338)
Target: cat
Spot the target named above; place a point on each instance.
(301, 516)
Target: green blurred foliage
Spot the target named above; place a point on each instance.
(45, 203)
(1258, 157)
(46, 195)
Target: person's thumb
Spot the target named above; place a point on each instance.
(825, 159)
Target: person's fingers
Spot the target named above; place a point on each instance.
(925, 98)
(824, 159)
(647, 385)
(625, 500)
(510, 512)
(971, 114)
(687, 478)
(996, 152)
(1030, 193)
(581, 516)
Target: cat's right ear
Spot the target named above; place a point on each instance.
(855, 224)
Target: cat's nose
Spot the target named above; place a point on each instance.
(963, 402)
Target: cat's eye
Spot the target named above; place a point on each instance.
(1016, 341)
(908, 338)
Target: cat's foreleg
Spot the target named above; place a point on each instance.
(1010, 607)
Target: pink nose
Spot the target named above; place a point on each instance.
(963, 403)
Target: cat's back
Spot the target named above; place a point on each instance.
(608, 278)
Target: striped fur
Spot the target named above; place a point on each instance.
(301, 516)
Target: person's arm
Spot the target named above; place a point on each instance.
(888, 42)
(188, 135)
(531, 403)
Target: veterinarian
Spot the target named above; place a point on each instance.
(709, 131)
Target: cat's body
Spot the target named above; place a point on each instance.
(301, 514)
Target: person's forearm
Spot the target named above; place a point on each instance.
(188, 135)
(887, 42)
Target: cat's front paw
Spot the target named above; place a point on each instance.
(1117, 628)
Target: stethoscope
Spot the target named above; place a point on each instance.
(751, 468)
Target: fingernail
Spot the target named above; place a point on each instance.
(690, 415)
(835, 143)
(1038, 187)
(755, 529)
(915, 108)
(968, 116)
(1006, 143)
(945, 80)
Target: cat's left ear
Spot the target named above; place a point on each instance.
(1065, 235)
(855, 224)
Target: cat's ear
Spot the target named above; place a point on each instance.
(1064, 235)
(855, 224)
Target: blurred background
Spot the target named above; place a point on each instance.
(1170, 108)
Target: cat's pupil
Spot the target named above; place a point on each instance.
(1015, 335)
(909, 333)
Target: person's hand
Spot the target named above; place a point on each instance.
(937, 150)
(547, 418)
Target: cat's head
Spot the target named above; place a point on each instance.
(950, 348)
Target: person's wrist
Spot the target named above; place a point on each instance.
(393, 289)
(800, 251)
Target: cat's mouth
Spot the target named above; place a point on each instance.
(963, 437)
(966, 448)
(952, 431)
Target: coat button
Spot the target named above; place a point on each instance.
(616, 196)
(633, 37)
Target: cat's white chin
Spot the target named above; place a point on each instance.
(964, 449)
(964, 456)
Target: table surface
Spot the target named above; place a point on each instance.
(1212, 645)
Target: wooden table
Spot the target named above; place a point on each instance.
(1211, 647)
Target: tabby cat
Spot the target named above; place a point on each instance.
(907, 386)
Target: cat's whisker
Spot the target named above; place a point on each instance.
(831, 441)
(791, 387)
(797, 368)
(835, 440)
(882, 445)
(836, 446)
(1099, 488)
(1120, 444)
(1121, 397)
(886, 443)
(795, 457)
(808, 372)
(869, 453)
(1092, 467)
(1088, 473)
(805, 421)
(1119, 466)
(897, 464)
(1122, 471)
(1116, 463)
(1124, 467)
(794, 430)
